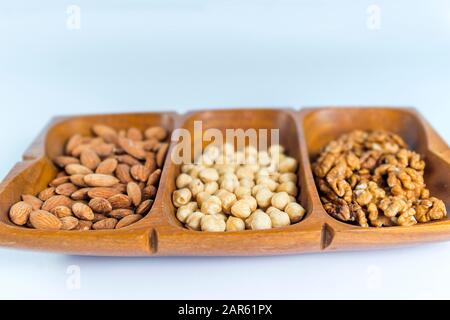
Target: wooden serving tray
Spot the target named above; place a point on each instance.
(303, 133)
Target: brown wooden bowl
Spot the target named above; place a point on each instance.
(303, 133)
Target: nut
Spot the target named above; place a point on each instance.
(44, 220)
(193, 222)
(212, 205)
(212, 223)
(241, 209)
(181, 197)
(279, 218)
(100, 205)
(295, 211)
(68, 223)
(280, 200)
(62, 211)
(235, 224)
(259, 220)
(20, 212)
(100, 180)
(82, 211)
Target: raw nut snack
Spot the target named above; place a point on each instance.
(373, 179)
(232, 191)
(107, 181)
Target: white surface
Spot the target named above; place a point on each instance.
(182, 55)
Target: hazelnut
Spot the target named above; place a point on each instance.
(212, 205)
(256, 188)
(235, 224)
(228, 200)
(251, 202)
(212, 223)
(241, 192)
(264, 158)
(245, 173)
(196, 186)
(181, 197)
(201, 197)
(229, 185)
(264, 197)
(194, 220)
(183, 212)
(268, 182)
(241, 209)
(288, 187)
(295, 212)
(186, 168)
(288, 164)
(260, 221)
(280, 200)
(195, 171)
(209, 175)
(288, 176)
(248, 183)
(279, 218)
(276, 149)
(211, 187)
(183, 180)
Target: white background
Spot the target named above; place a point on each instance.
(183, 55)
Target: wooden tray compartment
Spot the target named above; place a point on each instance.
(320, 126)
(159, 233)
(35, 172)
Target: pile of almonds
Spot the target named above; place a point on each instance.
(107, 181)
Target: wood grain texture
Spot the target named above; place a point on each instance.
(303, 133)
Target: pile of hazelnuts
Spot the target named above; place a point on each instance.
(228, 190)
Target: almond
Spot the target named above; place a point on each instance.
(35, 202)
(107, 166)
(158, 133)
(74, 168)
(134, 193)
(104, 150)
(154, 178)
(56, 201)
(120, 213)
(66, 189)
(78, 180)
(84, 225)
(150, 162)
(44, 220)
(123, 173)
(68, 223)
(45, 194)
(100, 205)
(73, 142)
(161, 155)
(20, 212)
(127, 159)
(90, 159)
(59, 181)
(61, 211)
(144, 207)
(150, 145)
(106, 132)
(63, 161)
(99, 217)
(120, 201)
(102, 192)
(82, 211)
(109, 223)
(128, 220)
(100, 180)
(149, 192)
(81, 194)
(79, 150)
(132, 148)
(140, 172)
(135, 134)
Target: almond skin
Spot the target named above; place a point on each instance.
(66, 189)
(35, 202)
(100, 205)
(154, 178)
(99, 217)
(132, 148)
(78, 180)
(68, 223)
(46, 194)
(106, 132)
(139, 172)
(128, 220)
(56, 201)
(72, 169)
(59, 181)
(102, 192)
(120, 201)
(81, 194)
(158, 133)
(100, 180)
(82, 211)
(62, 211)
(107, 166)
(90, 159)
(144, 207)
(120, 213)
(109, 223)
(149, 192)
(134, 193)
(123, 173)
(44, 220)
(20, 212)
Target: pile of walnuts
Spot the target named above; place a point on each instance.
(373, 179)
